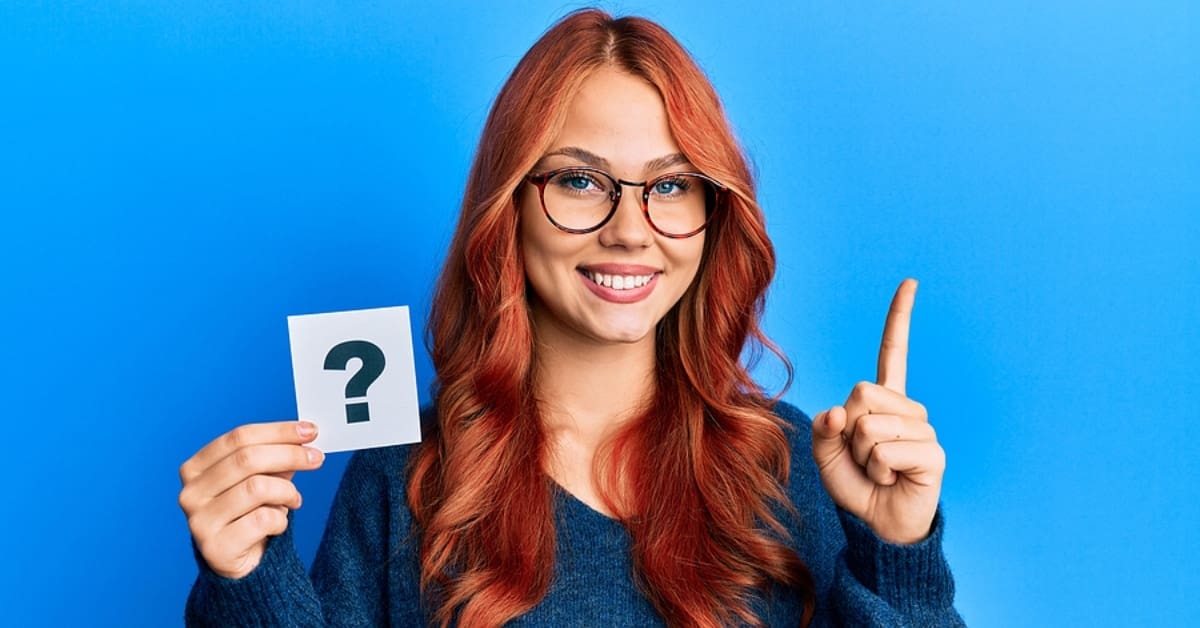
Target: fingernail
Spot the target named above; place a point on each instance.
(306, 429)
(314, 455)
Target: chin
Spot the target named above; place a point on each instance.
(624, 337)
(621, 332)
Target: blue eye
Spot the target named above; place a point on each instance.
(577, 182)
(668, 187)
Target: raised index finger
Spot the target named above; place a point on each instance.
(893, 350)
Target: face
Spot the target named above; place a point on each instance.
(618, 123)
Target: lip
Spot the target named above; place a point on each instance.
(633, 295)
(621, 269)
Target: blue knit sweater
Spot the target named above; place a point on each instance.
(366, 569)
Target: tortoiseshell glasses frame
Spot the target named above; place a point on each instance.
(713, 193)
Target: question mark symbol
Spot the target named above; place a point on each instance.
(372, 366)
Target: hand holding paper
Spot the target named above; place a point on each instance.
(237, 491)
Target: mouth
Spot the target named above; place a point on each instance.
(621, 283)
(615, 281)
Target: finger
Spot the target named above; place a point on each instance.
(874, 429)
(288, 432)
(251, 493)
(248, 531)
(243, 463)
(893, 350)
(845, 481)
(920, 462)
(869, 398)
(828, 442)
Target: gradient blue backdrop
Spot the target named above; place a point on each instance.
(176, 178)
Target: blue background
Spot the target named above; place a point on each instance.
(177, 178)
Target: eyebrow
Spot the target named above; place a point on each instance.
(596, 161)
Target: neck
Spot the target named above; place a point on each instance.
(586, 389)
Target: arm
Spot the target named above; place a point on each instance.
(877, 583)
(861, 579)
(879, 460)
(276, 593)
(349, 581)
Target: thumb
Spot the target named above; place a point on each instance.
(827, 434)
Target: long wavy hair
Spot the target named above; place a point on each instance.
(700, 471)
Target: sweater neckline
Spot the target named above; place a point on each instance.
(582, 507)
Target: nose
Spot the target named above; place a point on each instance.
(628, 227)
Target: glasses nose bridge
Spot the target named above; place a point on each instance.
(622, 223)
(619, 188)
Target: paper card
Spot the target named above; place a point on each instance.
(355, 377)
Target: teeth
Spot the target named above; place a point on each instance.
(618, 282)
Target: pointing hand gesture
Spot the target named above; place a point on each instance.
(879, 458)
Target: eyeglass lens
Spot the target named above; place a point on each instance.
(579, 199)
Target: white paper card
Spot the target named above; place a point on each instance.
(355, 377)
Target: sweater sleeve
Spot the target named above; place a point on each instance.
(877, 583)
(348, 584)
(871, 582)
(276, 593)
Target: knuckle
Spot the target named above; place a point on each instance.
(862, 450)
(243, 460)
(881, 456)
(185, 471)
(185, 501)
(861, 389)
(204, 545)
(255, 487)
(236, 438)
(922, 411)
(868, 424)
(265, 518)
(940, 457)
(270, 520)
(200, 531)
(877, 471)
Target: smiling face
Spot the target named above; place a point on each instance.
(615, 284)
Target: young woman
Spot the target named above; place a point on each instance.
(597, 454)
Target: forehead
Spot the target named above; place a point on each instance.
(619, 117)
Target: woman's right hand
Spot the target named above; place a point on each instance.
(237, 491)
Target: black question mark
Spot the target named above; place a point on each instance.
(372, 365)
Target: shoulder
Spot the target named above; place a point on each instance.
(797, 423)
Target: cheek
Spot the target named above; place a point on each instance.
(547, 253)
(529, 230)
(689, 253)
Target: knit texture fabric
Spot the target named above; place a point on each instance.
(366, 569)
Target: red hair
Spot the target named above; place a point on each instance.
(698, 472)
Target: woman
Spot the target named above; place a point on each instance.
(598, 454)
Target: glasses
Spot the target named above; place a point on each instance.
(581, 200)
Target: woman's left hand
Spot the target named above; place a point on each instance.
(879, 458)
